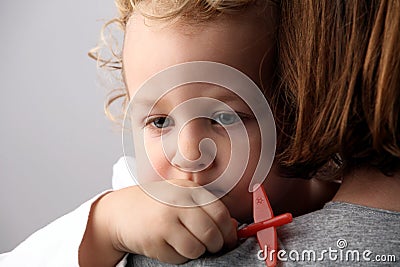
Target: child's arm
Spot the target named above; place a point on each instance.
(128, 220)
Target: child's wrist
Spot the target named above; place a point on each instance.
(97, 247)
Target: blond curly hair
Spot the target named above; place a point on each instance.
(191, 11)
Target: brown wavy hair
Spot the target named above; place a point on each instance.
(341, 84)
(108, 52)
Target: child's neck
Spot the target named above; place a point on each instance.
(370, 188)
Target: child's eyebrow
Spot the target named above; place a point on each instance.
(227, 98)
(143, 102)
(223, 98)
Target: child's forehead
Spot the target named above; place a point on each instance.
(240, 41)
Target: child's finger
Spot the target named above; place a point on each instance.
(185, 243)
(201, 225)
(219, 213)
(167, 253)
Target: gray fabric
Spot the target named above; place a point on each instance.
(243, 256)
(346, 228)
(361, 228)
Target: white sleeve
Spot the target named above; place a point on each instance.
(123, 173)
(57, 244)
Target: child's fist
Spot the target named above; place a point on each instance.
(139, 224)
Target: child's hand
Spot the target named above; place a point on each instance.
(131, 221)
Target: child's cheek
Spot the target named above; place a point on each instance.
(240, 199)
(155, 154)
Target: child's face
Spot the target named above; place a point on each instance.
(241, 41)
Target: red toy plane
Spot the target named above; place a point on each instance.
(264, 225)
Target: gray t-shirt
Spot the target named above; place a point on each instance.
(343, 234)
(340, 234)
(242, 256)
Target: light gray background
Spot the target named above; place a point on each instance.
(57, 147)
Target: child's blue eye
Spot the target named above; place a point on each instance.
(160, 122)
(226, 118)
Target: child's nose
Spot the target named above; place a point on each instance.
(195, 151)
